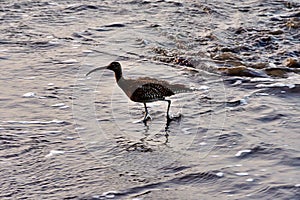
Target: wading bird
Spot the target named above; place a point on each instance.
(144, 90)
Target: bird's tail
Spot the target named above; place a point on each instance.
(179, 88)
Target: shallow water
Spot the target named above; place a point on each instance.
(67, 136)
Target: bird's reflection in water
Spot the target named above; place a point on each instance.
(167, 126)
(143, 144)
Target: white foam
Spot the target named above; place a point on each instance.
(203, 87)
(261, 94)
(275, 85)
(55, 121)
(87, 51)
(110, 194)
(70, 61)
(226, 191)
(250, 180)
(64, 107)
(186, 131)
(260, 79)
(58, 105)
(242, 152)
(76, 45)
(220, 174)
(54, 152)
(238, 82)
(54, 42)
(29, 95)
(242, 174)
(29, 78)
(272, 65)
(243, 102)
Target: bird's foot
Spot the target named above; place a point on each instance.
(146, 118)
(143, 120)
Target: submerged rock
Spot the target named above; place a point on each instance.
(259, 65)
(277, 72)
(226, 56)
(241, 71)
(276, 32)
(292, 63)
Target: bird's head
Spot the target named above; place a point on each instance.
(114, 66)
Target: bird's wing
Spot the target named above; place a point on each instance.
(175, 88)
(150, 92)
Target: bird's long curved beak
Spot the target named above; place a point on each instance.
(96, 69)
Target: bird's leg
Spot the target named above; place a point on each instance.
(146, 111)
(146, 114)
(169, 104)
(169, 119)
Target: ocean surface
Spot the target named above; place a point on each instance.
(67, 136)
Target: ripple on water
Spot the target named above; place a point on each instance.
(246, 123)
(55, 121)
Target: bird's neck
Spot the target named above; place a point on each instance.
(118, 75)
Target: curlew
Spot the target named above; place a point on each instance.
(144, 90)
